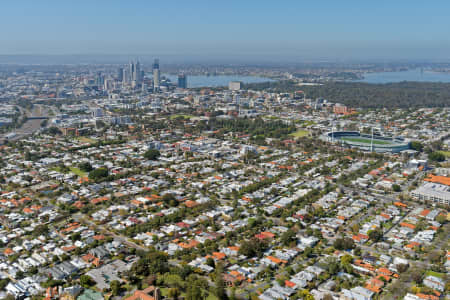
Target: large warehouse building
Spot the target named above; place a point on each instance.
(435, 189)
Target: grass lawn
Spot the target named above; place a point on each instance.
(57, 169)
(74, 170)
(184, 116)
(432, 273)
(78, 172)
(446, 153)
(84, 139)
(300, 133)
(365, 140)
(165, 293)
(211, 297)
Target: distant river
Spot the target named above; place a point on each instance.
(410, 75)
(195, 81)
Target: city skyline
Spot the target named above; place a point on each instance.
(259, 30)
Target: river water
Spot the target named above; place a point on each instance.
(410, 75)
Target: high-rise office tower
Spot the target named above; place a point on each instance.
(100, 79)
(137, 72)
(120, 74)
(131, 71)
(108, 84)
(182, 81)
(237, 99)
(126, 75)
(156, 76)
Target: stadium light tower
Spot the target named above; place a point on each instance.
(371, 142)
(332, 131)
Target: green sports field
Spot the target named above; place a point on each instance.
(300, 133)
(365, 140)
(181, 115)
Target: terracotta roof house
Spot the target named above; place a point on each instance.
(150, 293)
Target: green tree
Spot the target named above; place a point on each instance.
(376, 234)
(344, 243)
(86, 281)
(221, 292)
(346, 259)
(194, 293)
(332, 265)
(288, 237)
(152, 154)
(305, 295)
(210, 262)
(115, 287)
(170, 199)
(308, 252)
(436, 156)
(41, 229)
(441, 218)
(98, 173)
(75, 237)
(195, 287)
(174, 293)
(418, 146)
(4, 282)
(153, 262)
(253, 247)
(85, 166)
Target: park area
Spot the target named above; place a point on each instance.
(300, 133)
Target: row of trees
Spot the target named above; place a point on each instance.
(257, 127)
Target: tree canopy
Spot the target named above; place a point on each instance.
(344, 243)
(253, 247)
(366, 95)
(152, 154)
(98, 173)
(153, 262)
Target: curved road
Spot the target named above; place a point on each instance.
(33, 125)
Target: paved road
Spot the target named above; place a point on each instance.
(9, 276)
(31, 126)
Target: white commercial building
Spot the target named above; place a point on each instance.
(433, 192)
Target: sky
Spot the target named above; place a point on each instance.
(283, 29)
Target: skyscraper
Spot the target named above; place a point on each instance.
(134, 72)
(99, 80)
(120, 74)
(126, 75)
(182, 81)
(131, 71)
(156, 76)
(137, 72)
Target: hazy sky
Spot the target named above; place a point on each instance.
(314, 29)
